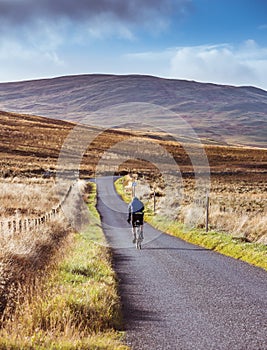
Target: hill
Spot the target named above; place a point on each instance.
(219, 113)
(31, 145)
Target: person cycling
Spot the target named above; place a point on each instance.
(136, 212)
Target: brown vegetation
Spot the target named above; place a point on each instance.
(30, 145)
(57, 287)
(26, 258)
(224, 114)
(237, 203)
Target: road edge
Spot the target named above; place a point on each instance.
(251, 253)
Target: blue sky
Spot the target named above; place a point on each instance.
(218, 41)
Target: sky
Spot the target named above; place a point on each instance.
(217, 41)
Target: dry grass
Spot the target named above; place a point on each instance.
(30, 145)
(238, 203)
(75, 307)
(26, 197)
(27, 256)
(58, 290)
(26, 259)
(253, 253)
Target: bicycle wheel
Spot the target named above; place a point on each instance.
(138, 237)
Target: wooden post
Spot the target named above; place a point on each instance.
(134, 184)
(20, 225)
(207, 212)
(133, 191)
(154, 197)
(14, 226)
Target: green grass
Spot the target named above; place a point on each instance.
(252, 253)
(78, 307)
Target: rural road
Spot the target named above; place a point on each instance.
(179, 296)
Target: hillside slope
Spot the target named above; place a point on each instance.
(32, 144)
(226, 114)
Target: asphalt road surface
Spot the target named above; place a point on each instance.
(180, 296)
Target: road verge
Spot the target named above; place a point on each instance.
(77, 306)
(252, 253)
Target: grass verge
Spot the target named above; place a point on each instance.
(78, 306)
(252, 253)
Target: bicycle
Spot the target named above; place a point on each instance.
(139, 236)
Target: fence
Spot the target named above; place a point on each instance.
(18, 225)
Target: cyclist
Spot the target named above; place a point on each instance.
(136, 212)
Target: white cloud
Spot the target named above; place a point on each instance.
(44, 40)
(45, 54)
(13, 50)
(222, 64)
(20, 60)
(245, 64)
(218, 64)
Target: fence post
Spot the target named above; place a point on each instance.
(14, 226)
(20, 225)
(207, 211)
(154, 198)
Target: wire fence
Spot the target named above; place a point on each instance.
(17, 225)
